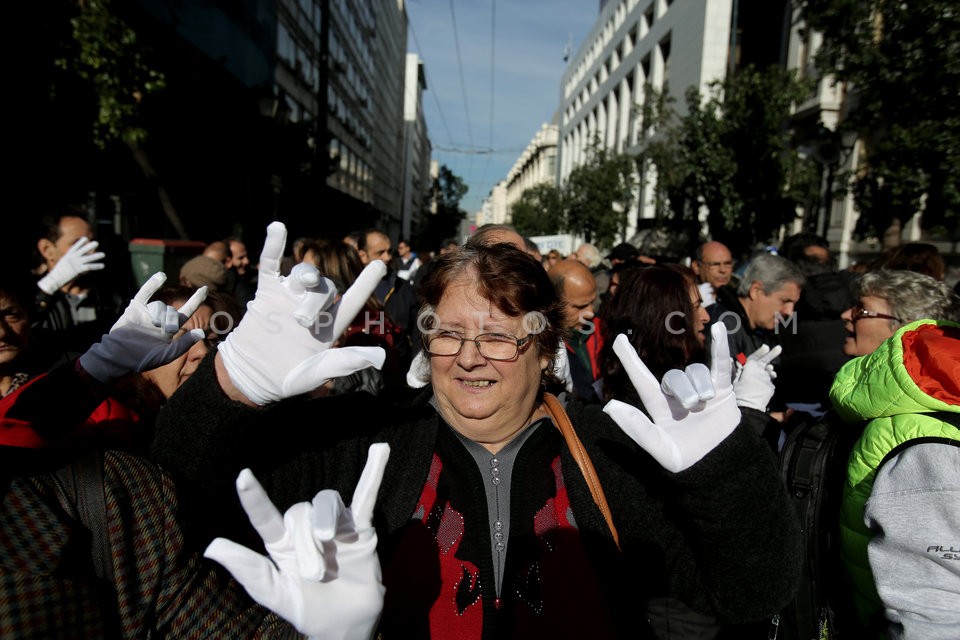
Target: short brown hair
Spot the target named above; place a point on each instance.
(512, 280)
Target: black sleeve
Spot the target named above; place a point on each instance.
(739, 529)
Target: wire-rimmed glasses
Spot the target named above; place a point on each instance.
(492, 346)
(859, 313)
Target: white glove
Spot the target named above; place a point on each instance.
(78, 259)
(282, 347)
(678, 437)
(706, 294)
(690, 387)
(753, 383)
(324, 577)
(561, 368)
(142, 339)
(418, 375)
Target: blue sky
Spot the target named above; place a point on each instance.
(479, 134)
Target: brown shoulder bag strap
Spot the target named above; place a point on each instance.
(579, 453)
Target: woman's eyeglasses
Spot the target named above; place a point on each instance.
(859, 313)
(492, 346)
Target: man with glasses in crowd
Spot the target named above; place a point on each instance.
(713, 265)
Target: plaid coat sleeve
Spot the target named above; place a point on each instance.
(160, 587)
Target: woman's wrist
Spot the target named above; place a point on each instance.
(230, 389)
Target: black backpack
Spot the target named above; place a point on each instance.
(813, 466)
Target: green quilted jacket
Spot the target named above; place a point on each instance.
(911, 374)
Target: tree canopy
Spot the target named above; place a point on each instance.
(594, 203)
(539, 211)
(901, 63)
(434, 226)
(730, 153)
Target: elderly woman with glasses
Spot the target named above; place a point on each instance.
(486, 520)
(890, 299)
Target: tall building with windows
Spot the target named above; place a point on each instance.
(669, 45)
(360, 121)
(271, 109)
(416, 147)
(536, 165)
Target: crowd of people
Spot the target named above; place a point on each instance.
(531, 444)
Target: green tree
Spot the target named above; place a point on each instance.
(539, 211)
(447, 191)
(901, 61)
(598, 196)
(730, 153)
(106, 53)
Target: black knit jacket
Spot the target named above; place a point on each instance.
(719, 536)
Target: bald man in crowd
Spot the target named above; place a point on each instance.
(577, 289)
(713, 265)
(397, 296)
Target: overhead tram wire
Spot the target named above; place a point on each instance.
(463, 84)
(426, 76)
(493, 67)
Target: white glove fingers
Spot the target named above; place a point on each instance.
(150, 287)
(699, 376)
(307, 275)
(761, 351)
(721, 365)
(263, 515)
(273, 248)
(771, 355)
(327, 509)
(78, 246)
(255, 572)
(643, 381)
(333, 363)
(354, 298)
(94, 266)
(171, 320)
(649, 436)
(157, 312)
(308, 545)
(190, 306)
(676, 384)
(313, 301)
(365, 496)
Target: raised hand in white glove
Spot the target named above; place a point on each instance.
(753, 382)
(143, 337)
(79, 258)
(323, 574)
(282, 347)
(676, 436)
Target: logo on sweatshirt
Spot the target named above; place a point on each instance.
(946, 553)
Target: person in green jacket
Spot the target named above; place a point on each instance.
(900, 517)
